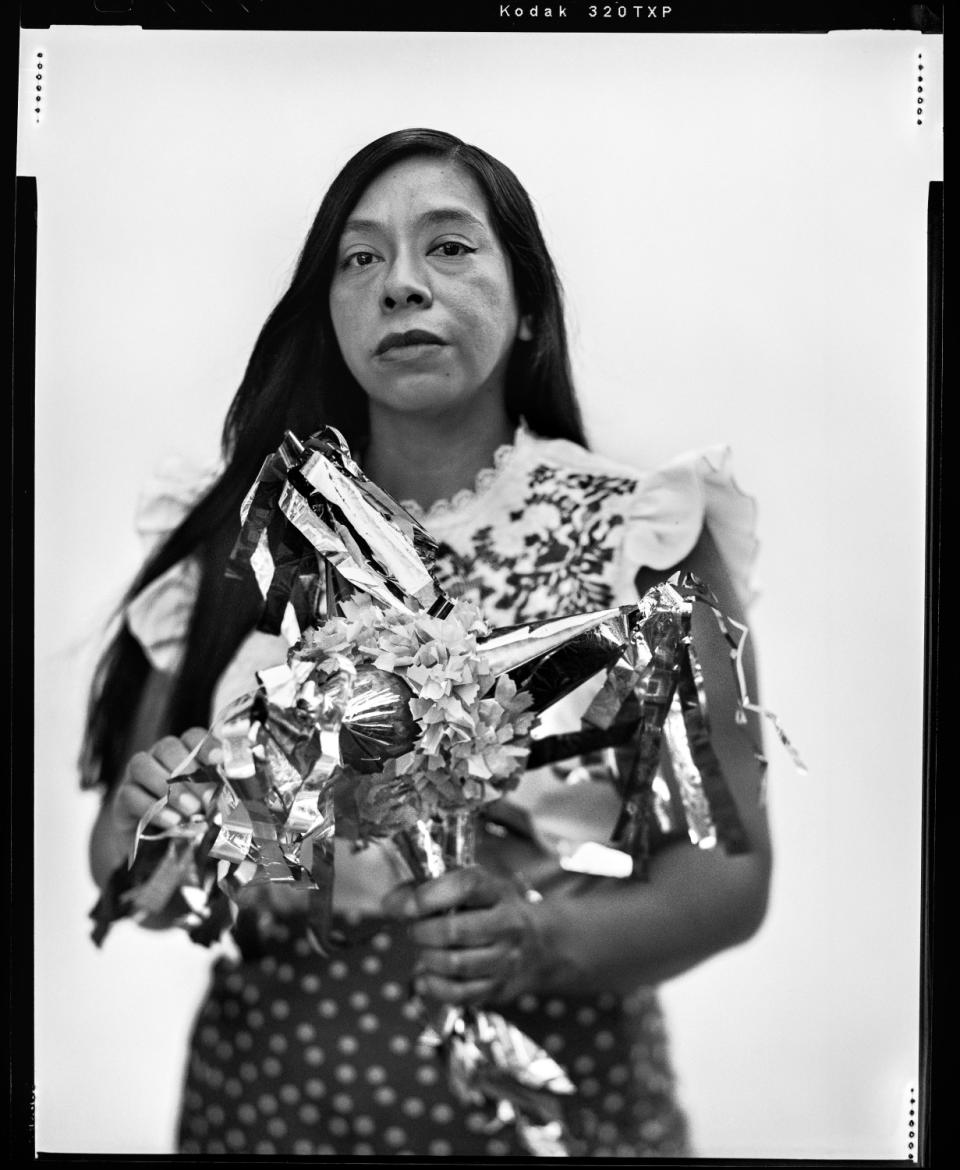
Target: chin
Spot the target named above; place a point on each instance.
(426, 400)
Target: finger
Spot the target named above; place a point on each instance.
(210, 750)
(400, 902)
(469, 965)
(185, 797)
(134, 802)
(474, 887)
(472, 928)
(454, 991)
(146, 771)
(171, 752)
(193, 736)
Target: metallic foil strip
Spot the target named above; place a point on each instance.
(279, 684)
(657, 635)
(737, 643)
(631, 832)
(292, 731)
(458, 837)
(663, 634)
(696, 807)
(285, 780)
(256, 512)
(261, 562)
(665, 598)
(265, 473)
(421, 850)
(331, 443)
(233, 843)
(298, 511)
(317, 859)
(175, 869)
(729, 828)
(490, 1062)
(374, 542)
(367, 534)
(507, 650)
(305, 815)
(512, 1049)
(661, 801)
(606, 705)
(237, 761)
(550, 749)
(288, 554)
(328, 764)
(494, 1065)
(227, 800)
(544, 1141)
(432, 847)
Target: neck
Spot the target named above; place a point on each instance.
(426, 459)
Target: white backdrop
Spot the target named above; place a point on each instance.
(739, 222)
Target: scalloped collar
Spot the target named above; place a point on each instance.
(503, 457)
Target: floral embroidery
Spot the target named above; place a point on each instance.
(555, 551)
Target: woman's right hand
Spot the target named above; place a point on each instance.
(146, 779)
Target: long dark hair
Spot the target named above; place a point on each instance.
(296, 379)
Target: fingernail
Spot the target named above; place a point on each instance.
(168, 817)
(216, 756)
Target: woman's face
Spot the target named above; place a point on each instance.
(422, 298)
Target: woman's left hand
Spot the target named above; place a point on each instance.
(477, 935)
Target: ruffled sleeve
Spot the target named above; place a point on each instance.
(670, 507)
(159, 616)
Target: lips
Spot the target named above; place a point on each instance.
(411, 337)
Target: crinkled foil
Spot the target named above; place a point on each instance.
(310, 752)
(377, 722)
(577, 646)
(737, 644)
(283, 786)
(371, 540)
(314, 745)
(491, 1064)
(695, 808)
(271, 818)
(723, 810)
(651, 708)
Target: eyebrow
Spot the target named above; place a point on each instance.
(437, 215)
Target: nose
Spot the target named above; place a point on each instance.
(405, 283)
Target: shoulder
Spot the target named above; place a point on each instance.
(159, 615)
(664, 509)
(168, 494)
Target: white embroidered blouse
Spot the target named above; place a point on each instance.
(550, 529)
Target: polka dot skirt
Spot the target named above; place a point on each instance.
(296, 1054)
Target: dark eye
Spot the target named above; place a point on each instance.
(453, 248)
(359, 260)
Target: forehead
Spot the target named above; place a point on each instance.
(413, 186)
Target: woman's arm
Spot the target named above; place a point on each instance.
(589, 935)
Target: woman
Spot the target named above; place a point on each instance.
(424, 320)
